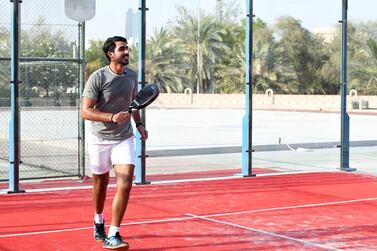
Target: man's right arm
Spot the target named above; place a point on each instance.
(89, 113)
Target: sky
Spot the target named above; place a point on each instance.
(110, 14)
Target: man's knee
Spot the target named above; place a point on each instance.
(124, 177)
(124, 182)
(100, 182)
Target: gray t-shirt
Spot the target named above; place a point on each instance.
(113, 94)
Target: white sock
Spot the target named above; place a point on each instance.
(98, 218)
(113, 230)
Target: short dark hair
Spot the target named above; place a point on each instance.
(109, 44)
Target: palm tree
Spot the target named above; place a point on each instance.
(230, 67)
(163, 65)
(230, 76)
(372, 68)
(94, 57)
(202, 45)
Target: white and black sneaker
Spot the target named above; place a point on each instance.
(115, 242)
(99, 232)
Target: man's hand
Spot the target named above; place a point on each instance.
(121, 117)
(143, 132)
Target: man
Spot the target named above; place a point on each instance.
(107, 95)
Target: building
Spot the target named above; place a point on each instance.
(328, 33)
(131, 25)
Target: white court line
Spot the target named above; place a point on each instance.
(188, 218)
(91, 227)
(292, 207)
(265, 232)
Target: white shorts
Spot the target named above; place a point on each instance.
(104, 154)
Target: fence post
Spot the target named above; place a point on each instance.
(345, 123)
(140, 174)
(81, 88)
(247, 119)
(14, 126)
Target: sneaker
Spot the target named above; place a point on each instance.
(99, 232)
(115, 242)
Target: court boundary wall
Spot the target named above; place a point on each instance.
(265, 101)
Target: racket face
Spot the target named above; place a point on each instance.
(145, 97)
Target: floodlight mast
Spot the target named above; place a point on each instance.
(81, 11)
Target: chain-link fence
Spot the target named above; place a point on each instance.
(48, 92)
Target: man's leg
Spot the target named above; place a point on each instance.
(124, 180)
(121, 154)
(100, 183)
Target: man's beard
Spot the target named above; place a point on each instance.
(123, 62)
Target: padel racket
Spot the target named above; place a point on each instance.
(144, 97)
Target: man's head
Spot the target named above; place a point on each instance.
(116, 48)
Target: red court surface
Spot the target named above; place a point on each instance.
(312, 211)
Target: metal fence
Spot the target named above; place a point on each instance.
(49, 72)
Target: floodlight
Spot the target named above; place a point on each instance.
(80, 10)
